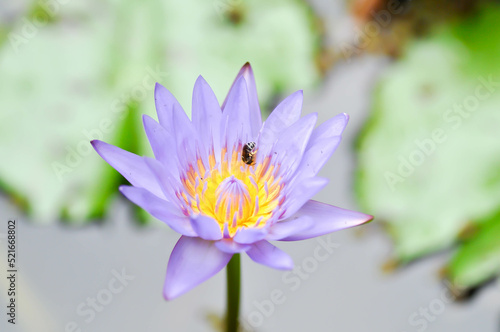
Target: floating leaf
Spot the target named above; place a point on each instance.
(478, 259)
(429, 157)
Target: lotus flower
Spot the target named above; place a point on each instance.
(224, 195)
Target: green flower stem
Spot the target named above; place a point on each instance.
(233, 293)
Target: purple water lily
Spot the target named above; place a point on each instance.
(229, 183)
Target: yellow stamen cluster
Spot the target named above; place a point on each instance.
(231, 192)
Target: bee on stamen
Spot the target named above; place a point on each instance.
(248, 153)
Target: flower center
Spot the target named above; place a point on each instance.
(233, 193)
(232, 200)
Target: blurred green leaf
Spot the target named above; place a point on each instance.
(478, 259)
(429, 157)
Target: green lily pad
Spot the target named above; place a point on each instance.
(478, 259)
(429, 156)
(86, 70)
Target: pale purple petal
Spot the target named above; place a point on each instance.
(206, 114)
(292, 143)
(316, 156)
(255, 116)
(130, 165)
(291, 226)
(206, 228)
(162, 143)
(231, 247)
(283, 116)
(323, 142)
(187, 139)
(300, 194)
(265, 253)
(165, 104)
(168, 183)
(250, 235)
(176, 122)
(236, 115)
(192, 262)
(326, 219)
(330, 128)
(159, 208)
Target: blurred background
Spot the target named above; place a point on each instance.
(420, 80)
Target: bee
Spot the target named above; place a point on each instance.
(248, 153)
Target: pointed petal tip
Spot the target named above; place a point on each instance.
(200, 79)
(125, 190)
(289, 266)
(369, 218)
(158, 86)
(265, 253)
(146, 118)
(246, 68)
(167, 297)
(299, 93)
(346, 118)
(363, 218)
(98, 146)
(285, 263)
(171, 294)
(297, 96)
(159, 89)
(172, 290)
